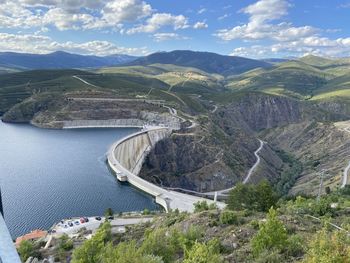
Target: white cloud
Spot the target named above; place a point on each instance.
(159, 20)
(168, 36)
(280, 38)
(72, 14)
(202, 10)
(261, 14)
(200, 25)
(43, 44)
(224, 16)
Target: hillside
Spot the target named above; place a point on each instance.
(206, 61)
(59, 60)
(249, 231)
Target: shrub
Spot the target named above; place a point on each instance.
(65, 243)
(127, 252)
(203, 253)
(163, 243)
(146, 212)
(329, 247)
(271, 235)
(90, 251)
(203, 206)
(228, 217)
(25, 250)
(295, 246)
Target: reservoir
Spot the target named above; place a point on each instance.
(48, 175)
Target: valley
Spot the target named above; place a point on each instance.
(224, 104)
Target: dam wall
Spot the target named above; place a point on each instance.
(165, 121)
(126, 157)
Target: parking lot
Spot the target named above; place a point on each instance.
(73, 225)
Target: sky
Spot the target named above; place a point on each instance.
(255, 29)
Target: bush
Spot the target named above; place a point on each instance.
(295, 246)
(127, 252)
(161, 243)
(90, 251)
(65, 243)
(228, 218)
(327, 247)
(322, 207)
(25, 250)
(203, 253)
(269, 256)
(203, 206)
(271, 235)
(146, 212)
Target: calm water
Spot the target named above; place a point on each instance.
(48, 175)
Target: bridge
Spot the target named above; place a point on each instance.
(126, 157)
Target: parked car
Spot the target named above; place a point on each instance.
(98, 218)
(76, 222)
(86, 219)
(70, 223)
(82, 220)
(111, 217)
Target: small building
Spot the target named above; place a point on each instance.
(34, 235)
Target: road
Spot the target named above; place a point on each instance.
(345, 176)
(85, 82)
(250, 172)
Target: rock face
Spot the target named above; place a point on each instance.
(262, 112)
(318, 146)
(221, 151)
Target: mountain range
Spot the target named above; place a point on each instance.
(206, 61)
(59, 60)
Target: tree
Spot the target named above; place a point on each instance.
(90, 251)
(265, 196)
(109, 212)
(25, 250)
(329, 248)
(271, 235)
(254, 197)
(241, 197)
(204, 253)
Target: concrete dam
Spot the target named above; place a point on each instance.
(126, 157)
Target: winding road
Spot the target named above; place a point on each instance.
(251, 170)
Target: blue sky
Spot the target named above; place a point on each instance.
(257, 29)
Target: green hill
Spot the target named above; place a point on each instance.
(206, 61)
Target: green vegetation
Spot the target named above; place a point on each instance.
(109, 212)
(329, 247)
(27, 249)
(259, 197)
(289, 175)
(158, 245)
